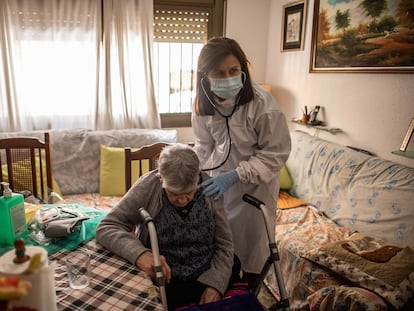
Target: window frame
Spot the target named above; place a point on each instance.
(215, 29)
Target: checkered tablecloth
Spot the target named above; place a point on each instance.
(115, 284)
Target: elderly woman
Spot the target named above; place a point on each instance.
(194, 236)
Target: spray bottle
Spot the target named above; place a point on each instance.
(12, 216)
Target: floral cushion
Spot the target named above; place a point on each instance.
(385, 269)
(345, 298)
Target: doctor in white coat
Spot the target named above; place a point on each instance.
(242, 138)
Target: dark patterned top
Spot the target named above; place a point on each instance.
(186, 237)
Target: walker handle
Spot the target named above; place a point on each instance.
(252, 200)
(145, 216)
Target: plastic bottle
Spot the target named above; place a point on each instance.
(12, 216)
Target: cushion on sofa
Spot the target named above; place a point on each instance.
(358, 191)
(112, 171)
(386, 269)
(343, 297)
(285, 179)
(285, 200)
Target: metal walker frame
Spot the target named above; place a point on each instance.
(273, 259)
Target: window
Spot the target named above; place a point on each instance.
(181, 28)
(76, 64)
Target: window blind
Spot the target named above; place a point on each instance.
(184, 26)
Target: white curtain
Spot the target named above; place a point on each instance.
(76, 64)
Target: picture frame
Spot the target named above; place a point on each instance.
(407, 136)
(403, 148)
(354, 36)
(293, 26)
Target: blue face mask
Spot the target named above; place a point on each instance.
(226, 87)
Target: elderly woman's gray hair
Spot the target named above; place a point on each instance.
(179, 168)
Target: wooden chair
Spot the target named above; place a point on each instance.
(149, 153)
(28, 165)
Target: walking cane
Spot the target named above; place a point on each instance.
(159, 278)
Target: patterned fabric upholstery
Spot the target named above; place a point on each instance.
(358, 191)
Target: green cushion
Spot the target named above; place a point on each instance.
(285, 179)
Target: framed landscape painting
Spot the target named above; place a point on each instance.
(363, 36)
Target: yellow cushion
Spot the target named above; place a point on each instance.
(285, 179)
(112, 171)
(55, 185)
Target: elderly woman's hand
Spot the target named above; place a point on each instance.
(145, 262)
(210, 294)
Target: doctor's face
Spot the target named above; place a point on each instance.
(228, 67)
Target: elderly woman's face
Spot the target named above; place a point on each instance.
(180, 199)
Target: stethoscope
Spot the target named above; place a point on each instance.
(227, 117)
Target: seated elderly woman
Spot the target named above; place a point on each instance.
(194, 236)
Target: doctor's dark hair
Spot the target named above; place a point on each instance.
(213, 52)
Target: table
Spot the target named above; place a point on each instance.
(115, 284)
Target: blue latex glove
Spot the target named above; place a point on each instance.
(219, 184)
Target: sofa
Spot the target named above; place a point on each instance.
(88, 165)
(345, 229)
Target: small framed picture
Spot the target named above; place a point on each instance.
(293, 26)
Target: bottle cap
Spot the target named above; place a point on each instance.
(6, 189)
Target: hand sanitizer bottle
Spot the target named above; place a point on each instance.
(12, 216)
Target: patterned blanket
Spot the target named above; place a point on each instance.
(310, 286)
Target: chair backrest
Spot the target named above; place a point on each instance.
(148, 153)
(28, 165)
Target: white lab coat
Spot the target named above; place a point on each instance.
(260, 147)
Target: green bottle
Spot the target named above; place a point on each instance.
(12, 216)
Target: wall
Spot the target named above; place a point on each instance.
(248, 23)
(373, 110)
